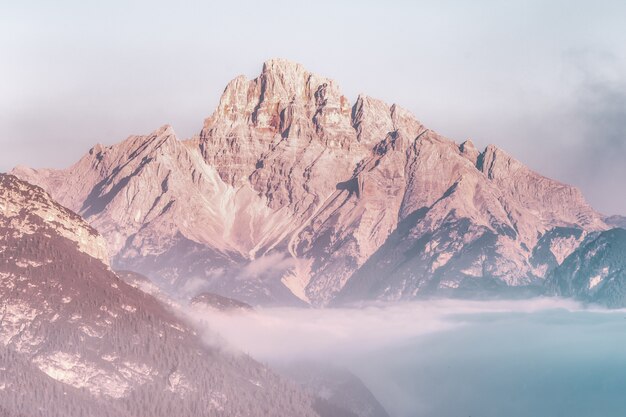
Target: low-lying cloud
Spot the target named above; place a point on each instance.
(539, 357)
(266, 265)
(299, 333)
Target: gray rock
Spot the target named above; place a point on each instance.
(289, 192)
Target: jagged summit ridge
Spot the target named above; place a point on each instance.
(269, 101)
(284, 107)
(289, 191)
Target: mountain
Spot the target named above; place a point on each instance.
(291, 195)
(76, 340)
(616, 221)
(596, 271)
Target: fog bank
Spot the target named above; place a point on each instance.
(540, 357)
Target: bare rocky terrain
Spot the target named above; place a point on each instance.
(292, 195)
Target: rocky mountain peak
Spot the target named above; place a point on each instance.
(282, 88)
(285, 109)
(285, 170)
(553, 201)
(287, 81)
(468, 150)
(371, 119)
(496, 163)
(282, 65)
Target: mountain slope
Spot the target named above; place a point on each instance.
(616, 221)
(338, 387)
(289, 192)
(596, 271)
(76, 340)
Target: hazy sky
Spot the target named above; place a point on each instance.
(545, 80)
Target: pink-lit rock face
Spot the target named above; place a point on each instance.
(26, 210)
(289, 192)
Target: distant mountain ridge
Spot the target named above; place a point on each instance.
(616, 221)
(595, 272)
(291, 195)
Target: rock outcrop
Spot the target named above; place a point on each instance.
(291, 195)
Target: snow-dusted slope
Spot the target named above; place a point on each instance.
(289, 192)
(75, 340)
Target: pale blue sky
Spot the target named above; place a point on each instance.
(545, 80)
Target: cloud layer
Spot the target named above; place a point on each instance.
(301, 333)
(543, 357)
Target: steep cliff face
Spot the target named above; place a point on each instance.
(76, 340)
(284, 119)
(289, 192)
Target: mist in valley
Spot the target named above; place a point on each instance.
(536, 357)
